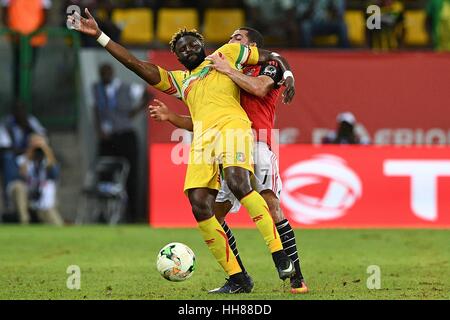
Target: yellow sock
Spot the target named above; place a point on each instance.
(258, 210)
(217, 242)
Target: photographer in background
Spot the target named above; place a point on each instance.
(36, 188)
(348, 131)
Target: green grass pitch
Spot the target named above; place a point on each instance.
(119, 263)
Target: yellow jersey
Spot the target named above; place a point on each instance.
(212, 97)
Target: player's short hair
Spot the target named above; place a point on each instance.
(254, 36)
(184, 32)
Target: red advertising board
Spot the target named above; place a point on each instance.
(329, 186)
(397, 98)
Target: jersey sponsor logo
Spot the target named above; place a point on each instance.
(320, 189)
(257, 218)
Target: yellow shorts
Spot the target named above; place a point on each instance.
(224, 145)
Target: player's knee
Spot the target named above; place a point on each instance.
(239, 186)
(201, 210)
(221, 209)
(202, 205)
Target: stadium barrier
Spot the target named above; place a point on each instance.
(328, 187)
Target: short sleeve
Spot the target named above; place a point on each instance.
(239, 55)
(171, 82)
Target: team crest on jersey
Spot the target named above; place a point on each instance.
(240, 156)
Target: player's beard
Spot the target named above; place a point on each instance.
(191, 65)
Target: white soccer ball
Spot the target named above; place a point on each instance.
(176, 262)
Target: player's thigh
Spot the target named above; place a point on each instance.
(236, 154)
(267, 173)
(234, 145)
(226, 202)
(203, 169)
(238, 180)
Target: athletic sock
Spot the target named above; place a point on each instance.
(259, 212)
(217, 242)
(287, 237)
(233, 245)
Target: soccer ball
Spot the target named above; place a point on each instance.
(176, 262)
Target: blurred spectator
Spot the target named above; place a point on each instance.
(275, 19)
(321, 18)
(346, 132)
(438, 21)
(36, 188)
(17, 128)
(24, 17)
(114, 111)
(392, 30)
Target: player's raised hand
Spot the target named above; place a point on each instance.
(219, 62)
(87, 26)
(159, 111)
(289, 92)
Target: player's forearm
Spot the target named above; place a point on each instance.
(180, 121)
(146, 71)
(253, 85)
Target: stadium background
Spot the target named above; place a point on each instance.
(398, 94)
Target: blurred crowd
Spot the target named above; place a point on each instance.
(291, 23)
(313, 24)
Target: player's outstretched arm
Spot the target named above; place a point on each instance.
(288, 78)
(147, 71)
(160, 112)
(257, 86)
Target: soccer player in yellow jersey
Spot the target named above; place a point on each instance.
(222, 138)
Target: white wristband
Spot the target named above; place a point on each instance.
(287, 74)
(104, 39)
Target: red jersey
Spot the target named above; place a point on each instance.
(261, 111)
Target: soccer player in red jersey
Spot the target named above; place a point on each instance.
(261, 87)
